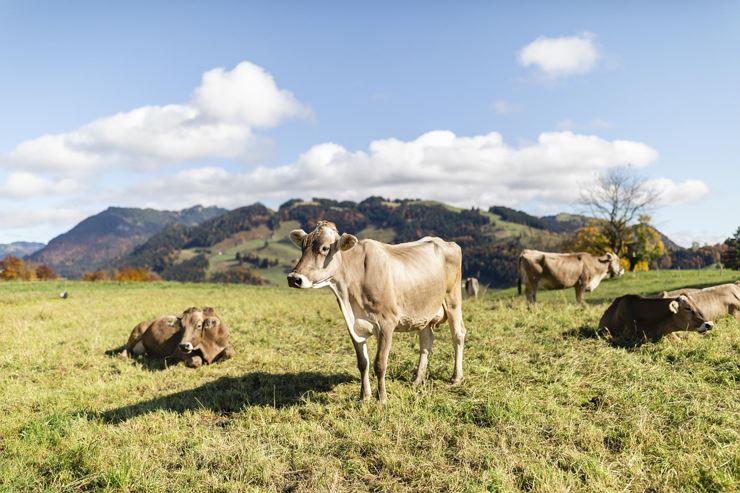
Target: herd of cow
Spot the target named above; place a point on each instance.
(416, 286)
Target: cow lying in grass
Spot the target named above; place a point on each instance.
(632, 317)
(195, 337)
(715, 302)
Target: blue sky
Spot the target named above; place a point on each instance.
(479, 103)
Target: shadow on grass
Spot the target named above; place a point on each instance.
(582, 332)
(146, 362)
(230, 394)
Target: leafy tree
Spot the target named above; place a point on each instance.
(731, 257)
(137, 274)
(589, 238)
(13, 268)
(644, 245)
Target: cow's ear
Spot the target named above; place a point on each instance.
(606, 258)
(347, 241)
(296, 236)
(208, 311)
(673, 306)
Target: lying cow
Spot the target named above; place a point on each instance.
(715, 302)
(196, 337)
(472, 287)
(582, 271)
(385, 288)
(633, 317)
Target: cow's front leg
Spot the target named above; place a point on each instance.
(363, 364)
(426, 339)
(385, 336)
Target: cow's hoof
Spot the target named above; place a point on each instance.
(456, 381)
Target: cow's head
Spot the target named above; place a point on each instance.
(321, 252)
(192, 325)
(614, 268)
(686, 315)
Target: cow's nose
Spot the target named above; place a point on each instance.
(294, 280)
(187, 347)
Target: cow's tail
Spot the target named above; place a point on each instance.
(519, 276)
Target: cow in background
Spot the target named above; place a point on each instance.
(581, 271)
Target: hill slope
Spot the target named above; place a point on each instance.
(104, 237)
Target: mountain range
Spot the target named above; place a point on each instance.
(20, 248)
(99, 240)
(251, 244)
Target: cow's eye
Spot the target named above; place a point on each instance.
(325, 249)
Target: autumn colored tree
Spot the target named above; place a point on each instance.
(45, 273)
(98, 275)
(137, 274)
(14, 268)
(589, 238)
(643, 245)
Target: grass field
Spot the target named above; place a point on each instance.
(545, 406)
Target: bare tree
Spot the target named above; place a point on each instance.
(618, 197)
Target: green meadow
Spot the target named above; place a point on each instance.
(546, 405)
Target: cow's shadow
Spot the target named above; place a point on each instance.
(230, 394)
(145, 362)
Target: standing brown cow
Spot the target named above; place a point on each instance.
(195, 337)
(582, 271)
(385, 288)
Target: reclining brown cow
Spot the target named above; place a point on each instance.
(716, 301)
(581, 271)
(195, 337)
(633, 317)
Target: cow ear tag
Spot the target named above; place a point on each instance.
(673, 306)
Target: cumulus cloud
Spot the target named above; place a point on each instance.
(29, 218)
(561, 56)
(478, 170)
(217, 123)
(672, 193)
(22, 184)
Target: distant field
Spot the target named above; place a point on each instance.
(545, 406)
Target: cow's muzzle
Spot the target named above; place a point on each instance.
(186, 347)
(298, 281)
(705, 327)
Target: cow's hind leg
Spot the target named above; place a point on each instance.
(426, 339)
(134, 346)
(385, 337)
(457, 328)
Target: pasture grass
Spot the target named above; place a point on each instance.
(546, 404)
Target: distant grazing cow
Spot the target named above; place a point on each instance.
(582, 271)
(634, 317)
(715, 302)
(195, 337)
(472, 287)
(384, 288)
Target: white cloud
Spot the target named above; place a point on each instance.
(218, 123)
(480, 170)
(562, 56)
(672, 193)
(26, 218)
(503, 107)
(702, 237)
(21, 184)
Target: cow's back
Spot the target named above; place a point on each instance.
(411, 278)
(718, 301)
